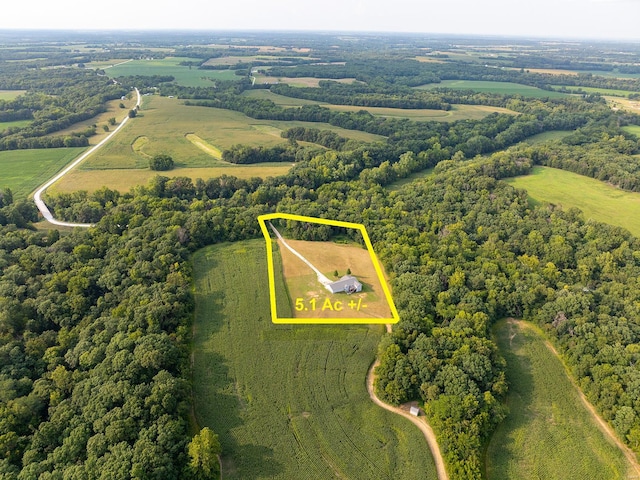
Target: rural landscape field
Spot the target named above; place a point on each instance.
(498, 181)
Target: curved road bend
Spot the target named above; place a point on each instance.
(420, 422)
(37, 197)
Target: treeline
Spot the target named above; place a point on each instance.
(326, 138)
(55, 100)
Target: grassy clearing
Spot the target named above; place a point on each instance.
(123, 180)
(398, 184)
(505, 88)
(189, 77)
(547, 136)
(25, 170)
(596, 199)
(329, 257)
(289, 401)
(209, 149)
(16, 123)
(634, 129)
(549, 433)
(10, 94)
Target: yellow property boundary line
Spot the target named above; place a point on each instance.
(262, 219)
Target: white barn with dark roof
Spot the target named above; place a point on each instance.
(348, 284)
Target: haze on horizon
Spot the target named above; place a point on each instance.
(578, 19)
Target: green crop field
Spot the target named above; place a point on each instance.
(289, 401)
(189, 77)
(548, 433)
(10, 94)
(506, 88)
(279, 100)
(597, 200)
(25, 170)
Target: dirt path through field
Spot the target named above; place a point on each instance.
(419, 422)
(604, 426)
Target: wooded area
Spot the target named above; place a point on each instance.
(95, 324)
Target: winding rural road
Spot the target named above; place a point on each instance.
(419, 422)
(37, 197)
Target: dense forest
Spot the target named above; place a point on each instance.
(95, 324)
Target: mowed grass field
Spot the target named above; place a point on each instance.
(193, 136)
(329, 257)
(289, 401)
(25, 170)
(189, 77)
(601, 91)
(547, 136)
(548, 433)
(634, 129)
(597, 200)
(506, 88)
(16, 123)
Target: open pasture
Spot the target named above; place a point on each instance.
(25, 170)
(298, 81)
(166, 122)
(10, 94)
(597, 200)
(548, 433)
(288, 401)
(329, 257)
(634, 129)
(189, 77)
(600, 91)
(279, 100)
(547, 136)
(16, 123)
(504, 88)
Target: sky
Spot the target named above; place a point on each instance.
(579, 19)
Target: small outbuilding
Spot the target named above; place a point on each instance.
(414, 411)
(348, 284)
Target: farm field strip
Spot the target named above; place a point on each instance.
(11, 94)
(15, 123)
(597, 200)
(548, 433)
(506, 88)
(125, 179)
(288, 401)
(601, 91)
(203, 145)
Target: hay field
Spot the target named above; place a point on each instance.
(327, 257)
(505, 88)
(10, 94)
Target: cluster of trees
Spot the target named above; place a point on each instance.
(161, 162)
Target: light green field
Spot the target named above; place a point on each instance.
(10, 94)
(547, 136)
(166, 122)
(289, 402)
(279, 100)
(601, 91)
(25, 170)
(505, 88)
(634, 129)
(597, 200)
(16, 123)
(398, 184)
(548, 433)
(170, 66)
